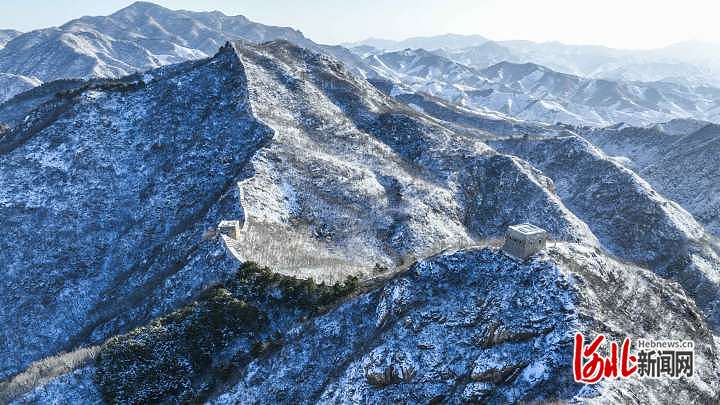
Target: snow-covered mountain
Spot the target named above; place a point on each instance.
(684, 63)
(10, 85)
(481, 56)
(466, 326)
(690, 62)
(7, 35)
(113, 187)
(447, 41)
(678, 158)
(419, 67)
(139, 37)
(540, 91)
(536, 93)
(461, 69)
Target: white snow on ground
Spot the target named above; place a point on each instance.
(11, 84)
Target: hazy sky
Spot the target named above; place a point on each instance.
(615, 23)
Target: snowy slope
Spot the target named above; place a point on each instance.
(107, 205)
(535, 93)
(464, 326)
(678, 158)
(114, 187)
(7, 35)
(490, 123)
(397, 177)
(473, 326)
(418, 66)
(651, 230)
(11, 85)
(139, 37)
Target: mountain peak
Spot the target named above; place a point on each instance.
(141, 7)
(514, 70)
(119, 44)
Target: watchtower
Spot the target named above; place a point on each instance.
(231, 229)
(524, 240)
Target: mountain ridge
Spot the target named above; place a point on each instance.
(676, 62)
(136, 38)
(366, 267)
(423, 182)
(676, 159)
(533, 92)
(449, 40)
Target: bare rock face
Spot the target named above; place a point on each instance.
(389, 369)
(495, 370)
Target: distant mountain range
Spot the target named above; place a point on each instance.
(691, 62)
(468, 70)
(536, 93)
(447, 41)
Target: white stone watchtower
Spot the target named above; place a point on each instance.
(524, 240)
